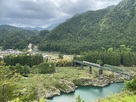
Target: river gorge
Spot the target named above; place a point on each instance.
(89, 93)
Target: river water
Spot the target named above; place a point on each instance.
(89, 93)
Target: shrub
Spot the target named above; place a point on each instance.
(131, 85)
(44, 68)
(99, 62)
(23, 70)
(64, 62)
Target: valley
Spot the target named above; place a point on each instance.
(90, 56)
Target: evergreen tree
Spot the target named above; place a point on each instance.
(79, 99)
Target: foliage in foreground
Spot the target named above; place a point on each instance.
(7, 87)
(79, 99)
(129, 95)
(122, 97)
(19, 100)
(131, 85)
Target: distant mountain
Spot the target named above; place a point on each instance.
(94, 30)
(52, 26)
(14, 37)
(35, 28)
(8, 27)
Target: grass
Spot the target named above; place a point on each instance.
(53, 81)
(67, 73)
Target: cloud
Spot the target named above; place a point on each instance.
(44, 12)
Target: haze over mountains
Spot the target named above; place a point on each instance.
(91, 30)
(50, 27)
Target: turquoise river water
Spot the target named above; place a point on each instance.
(89, 93)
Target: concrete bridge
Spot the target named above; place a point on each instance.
(123, 71)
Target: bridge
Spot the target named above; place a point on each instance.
(120, 70)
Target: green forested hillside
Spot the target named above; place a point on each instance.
(94, 30)
(15, 38)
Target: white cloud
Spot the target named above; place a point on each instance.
(45, 12)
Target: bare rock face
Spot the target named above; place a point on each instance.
(66, 86)
(120, 78)
(83, 81)
(69, 86)
(63, 86)
(106, 80)
(52, 92)
(93, 82)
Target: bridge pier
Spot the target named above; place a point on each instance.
(90, 69)
(82, 67)
(100, 74)
(74, 64)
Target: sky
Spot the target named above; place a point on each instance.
(41, 13)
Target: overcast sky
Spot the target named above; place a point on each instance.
(41, 13)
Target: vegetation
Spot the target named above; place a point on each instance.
(91, 30)
(128, 95)
(131, 85)
(78, 99)
(23, 70)
(60, 56)
(95, 30)
(43, 68)
(23, 59)
(15, 38)
(41, 80)
(39, 38)
(64, 62)
(7, 86)
(112, 58)
(121, 97)
(37, 84)
(104, 36)
(120, 56)
(11, 86)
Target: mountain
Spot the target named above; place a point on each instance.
(14, 37)
(52, 26)
(35, 28)
(94, 30)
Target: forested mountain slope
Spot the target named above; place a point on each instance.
(13, 37)
(93, 30)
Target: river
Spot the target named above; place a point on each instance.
(89, 93)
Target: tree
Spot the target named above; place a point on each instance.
(131, 85)
(60, 56)
(7, 86)
(110, 50)
(44, 68)
(79, 99)
(33, 92)
(124, 48)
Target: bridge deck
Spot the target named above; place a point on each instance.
(105, 67)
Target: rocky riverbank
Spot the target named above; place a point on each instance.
(70, 86)
(67, 79)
